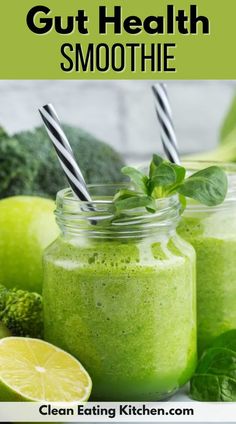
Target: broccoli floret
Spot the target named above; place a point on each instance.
(3, 296)
(3, 133)
(22, 313)
(4, 332)
(29, 166)
(18, 168)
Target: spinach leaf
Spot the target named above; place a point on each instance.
(134, 202)
(136, 176)
(208, 186)
(164, 175)
(215, 376)
(180, 172)
(156, 161)
(218, 361)
(125, 194)
(213, 388)
(226, 340)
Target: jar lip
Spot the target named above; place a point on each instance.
(67, 196)
(228, 167)
(195, 165)
(75, 216)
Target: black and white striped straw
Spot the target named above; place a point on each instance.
(64, 152)
(164, 114)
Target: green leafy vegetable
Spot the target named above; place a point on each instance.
(155, 162)
(180, 172)
(29, 166)
(215, 376)
(218, 361)
(136, 177)
(213, 388)
(207, 186)
(21, 312)
(226, 340)
(164, 175)
(134, 202)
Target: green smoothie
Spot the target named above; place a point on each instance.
(212, 232)
(126, 308)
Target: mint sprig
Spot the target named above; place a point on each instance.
(207, 186)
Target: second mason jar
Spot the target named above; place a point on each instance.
(119, 294)
(212, 232)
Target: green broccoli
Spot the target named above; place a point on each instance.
(4, 332)
(3, 296)
(29, 166)
(22, 312)
(3, 133)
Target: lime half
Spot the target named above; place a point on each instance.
(34, 370)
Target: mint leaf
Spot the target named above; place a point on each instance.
(208, 186)
(229, 124)
(136, 176)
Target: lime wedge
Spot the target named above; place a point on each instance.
(34, 370)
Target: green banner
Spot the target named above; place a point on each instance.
(118, 39)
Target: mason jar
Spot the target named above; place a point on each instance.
(119, 295)
(212, 232)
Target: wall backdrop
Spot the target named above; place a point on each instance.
(122, 112)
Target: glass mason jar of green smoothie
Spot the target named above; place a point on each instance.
(212, 232)
(119, 294)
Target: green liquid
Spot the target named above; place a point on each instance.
(214, 238)
(126, 310)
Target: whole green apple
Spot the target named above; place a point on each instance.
(27, 227)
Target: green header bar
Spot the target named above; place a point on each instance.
(118, 39)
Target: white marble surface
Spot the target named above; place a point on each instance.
(122, 112)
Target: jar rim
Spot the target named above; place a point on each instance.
(68, 196)
(195, 165)
(73, 214)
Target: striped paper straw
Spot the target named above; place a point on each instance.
(164, 114)
(64, 152)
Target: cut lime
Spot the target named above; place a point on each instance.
(34, 370)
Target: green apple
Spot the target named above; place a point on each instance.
(27, 227)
